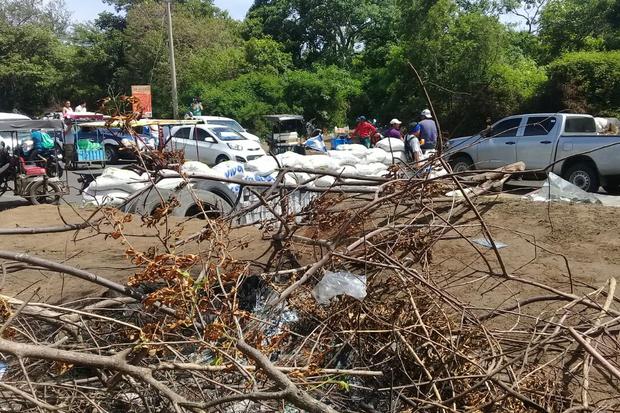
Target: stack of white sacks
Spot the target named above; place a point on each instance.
(114, 186)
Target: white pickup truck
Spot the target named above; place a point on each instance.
(564, 143)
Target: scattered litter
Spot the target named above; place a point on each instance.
(3, 369)
(487, 243)
(337, 283)
(558, 189)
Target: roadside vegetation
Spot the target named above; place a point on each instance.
(328, 60)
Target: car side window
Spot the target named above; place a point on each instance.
(539, 125)
(182, 133)
(506, 128)
(203, 135)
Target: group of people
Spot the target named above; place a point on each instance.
(419, 136)
(67, 109)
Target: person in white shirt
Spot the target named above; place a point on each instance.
(66, 109)
(81, 107)
(412, 143)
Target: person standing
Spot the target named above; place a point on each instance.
(412, 143)
(66, 109)
(81, 107)
(428, 133)
(363, 131)
(196, 107)
(394, 131)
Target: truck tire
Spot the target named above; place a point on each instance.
(583, 175)
(111, 155)
(461, 164)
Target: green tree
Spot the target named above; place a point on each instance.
(575, 25)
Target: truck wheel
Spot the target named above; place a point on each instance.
(111, 156)
(461, 164)
(583, 176)
(221, 158)
(45, 192)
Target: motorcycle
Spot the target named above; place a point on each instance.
(49, 158)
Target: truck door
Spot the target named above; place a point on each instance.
(499, 148)
(535, 147)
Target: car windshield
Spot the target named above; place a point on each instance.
(226, 134)
(230, 124)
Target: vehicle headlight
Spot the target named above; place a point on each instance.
(235, 147)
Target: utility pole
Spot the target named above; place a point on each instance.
(173, 69)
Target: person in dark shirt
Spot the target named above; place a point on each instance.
(394, 131)
(428, 133)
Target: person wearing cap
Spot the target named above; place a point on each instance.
(363, 131)
(412, 143)
(394, 131)
(429, 133)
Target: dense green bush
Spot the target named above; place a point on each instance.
(586, 82)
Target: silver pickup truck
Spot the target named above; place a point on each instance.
(564, 143)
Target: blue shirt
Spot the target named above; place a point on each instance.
(429, 131)
(37, 140)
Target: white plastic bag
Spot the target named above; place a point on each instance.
(195, 168)
(290, 159)
(320, 163)
(557, 189)
(337, 283)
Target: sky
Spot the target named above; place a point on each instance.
(84, 10)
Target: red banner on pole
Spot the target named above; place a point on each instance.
(143, 94)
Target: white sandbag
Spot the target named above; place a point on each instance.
(170, 183)
(602, 124)
(345, 157)
(324, 181)
(168, 173)
(375, 155)
(347, 170)
(108, 198)
(299, 177)
(122, 175)
(195, 168)
(320, 163)
(110, 183)
(290, 159)
(263, 166)
(289, 179)
(356, 148)
(391, 144)
(371, 169)
(230, 169)
(395, 157)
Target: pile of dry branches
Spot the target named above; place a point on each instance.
(198, 329)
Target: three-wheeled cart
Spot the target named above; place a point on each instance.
(83, 145)
(286, 133)
(24, 178)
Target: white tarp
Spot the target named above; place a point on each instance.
(558, 189)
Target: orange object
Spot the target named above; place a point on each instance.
(143, 94)
(421, 142)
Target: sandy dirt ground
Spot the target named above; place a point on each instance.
(548, 243)
(85, 249)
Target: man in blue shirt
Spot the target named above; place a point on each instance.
(428, 132)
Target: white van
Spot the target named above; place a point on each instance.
(213, 144)
(229, 123)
